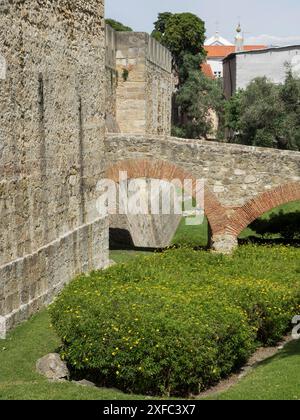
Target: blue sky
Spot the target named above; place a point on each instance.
(267, 21)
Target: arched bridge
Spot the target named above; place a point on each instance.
(241, 182)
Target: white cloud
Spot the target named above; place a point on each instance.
(273, 40)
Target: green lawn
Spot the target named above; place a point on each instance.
(277, 378)
(18, 356)
(286, 208)
(197, 236)
(122, 256)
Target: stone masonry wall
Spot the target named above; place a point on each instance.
(131, 98)
(111, 81)
(144, 93)
(241, 182)
(159, 96)
(234, 173)
(51, 149)
(159, 89)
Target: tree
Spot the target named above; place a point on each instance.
(266, 114)
(118, 26)
(160, 26)
(290, 95)
(181, 33)
(198, 98)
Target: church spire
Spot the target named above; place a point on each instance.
(239, 39)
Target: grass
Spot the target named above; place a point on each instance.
(123, 256)
(194, 236)
(277, 378)
(285, 208)
(18, 376)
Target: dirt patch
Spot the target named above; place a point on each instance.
(259, 356)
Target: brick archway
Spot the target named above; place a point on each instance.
(260, 205)
(159, 169)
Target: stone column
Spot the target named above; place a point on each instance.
(224, 243)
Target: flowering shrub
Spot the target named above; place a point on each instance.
(177, 322)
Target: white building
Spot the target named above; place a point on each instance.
(218, 48)
(242, 67)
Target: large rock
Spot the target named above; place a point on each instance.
(52, 367)
(84, 382)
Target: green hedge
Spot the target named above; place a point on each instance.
(173, 323)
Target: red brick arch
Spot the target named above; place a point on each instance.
(261, 204)
(159, 169)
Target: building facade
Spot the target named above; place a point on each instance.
(218, 48)
(242, 67)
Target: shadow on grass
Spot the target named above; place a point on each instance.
(254, 240)
(291, 349)
(121, 240)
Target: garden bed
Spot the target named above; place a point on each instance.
(176, 323)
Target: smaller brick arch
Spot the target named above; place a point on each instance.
(260, 205)
(163, 170)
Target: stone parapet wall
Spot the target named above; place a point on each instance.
(159, 91)
(131, 97)
(145, 85)
(111, 81)
(234, 173)
(110, 47)
(159, 55)
(241, 183)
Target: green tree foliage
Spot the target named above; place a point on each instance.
(266, 114)
(160, 26)
(197, 98)
(184, 34)
(181, 33)
(118, 26)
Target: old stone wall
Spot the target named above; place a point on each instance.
(234, 173)
(241, 182)
(111, 81)
(131, 100)
(51, 149)
(145, 86)
(159, 89)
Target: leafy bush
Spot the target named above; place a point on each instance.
(266, 114)
(174, 323)
(118, 26)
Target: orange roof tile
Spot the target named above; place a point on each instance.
(207, 70)
(220, 51)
